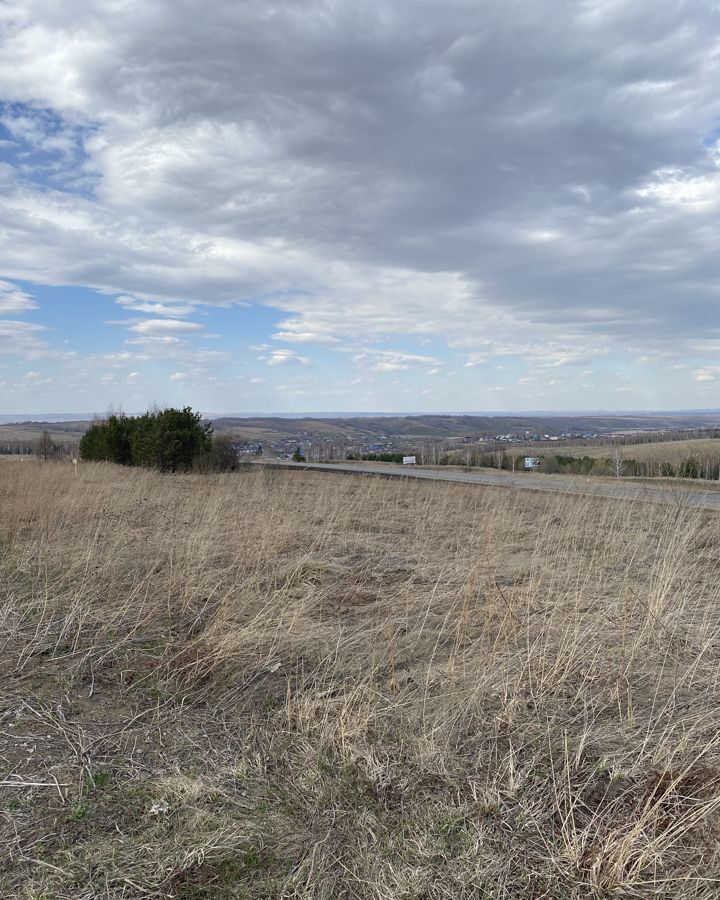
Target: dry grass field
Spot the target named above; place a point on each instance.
(673, 452)
(61, 433)
(282, 685)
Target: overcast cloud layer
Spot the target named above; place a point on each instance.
(437, 202)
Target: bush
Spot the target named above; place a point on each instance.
(222, 456)
(383, 457)
(689, 468)
(169, 440)
(549, 464)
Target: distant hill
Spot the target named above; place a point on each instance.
(444, 426)
(412, 427)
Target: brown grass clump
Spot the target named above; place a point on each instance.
(281, 685)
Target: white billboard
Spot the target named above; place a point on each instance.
(532, 462)
(409, 460)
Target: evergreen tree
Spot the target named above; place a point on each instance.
(169, 439)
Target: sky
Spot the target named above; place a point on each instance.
(242, 205)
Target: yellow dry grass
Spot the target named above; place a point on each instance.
(70, 432)
(281, 684)
(673, 452)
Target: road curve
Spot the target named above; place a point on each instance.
(622, 490)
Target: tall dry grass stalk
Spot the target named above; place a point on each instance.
(276, 684)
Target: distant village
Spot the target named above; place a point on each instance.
(315, 447)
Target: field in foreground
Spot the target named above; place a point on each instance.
(277, 684)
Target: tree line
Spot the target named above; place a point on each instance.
(377, 457)
(616, 465)
(43, 446)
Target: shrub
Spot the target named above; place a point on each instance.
(689, 468)
(549, 464)
(169, 440)
(383, 457)
(222, 456)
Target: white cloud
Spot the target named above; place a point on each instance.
(157, 309)
(706, 373)
(287, 357)
(13, 300)
(162, 327)
(21, 339)
(391, 360)
(684, 190)
(305, 337)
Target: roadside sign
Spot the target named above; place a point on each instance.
(409, 460)
(532, 462)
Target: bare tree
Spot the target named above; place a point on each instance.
(618, 461)
(223, 455)
(46, 445)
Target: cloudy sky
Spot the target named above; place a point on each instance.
(332, 205)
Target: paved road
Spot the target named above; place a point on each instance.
(623, 490)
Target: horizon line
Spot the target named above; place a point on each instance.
(19, 417)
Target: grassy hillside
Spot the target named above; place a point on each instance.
(280, 685)
(60, 432)
(667, 451)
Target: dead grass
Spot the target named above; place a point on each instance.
(277, 684)
(673, 452)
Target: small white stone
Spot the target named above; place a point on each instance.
(159, 808)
